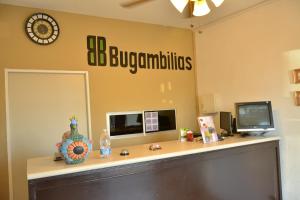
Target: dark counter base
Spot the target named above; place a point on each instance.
(242, 173)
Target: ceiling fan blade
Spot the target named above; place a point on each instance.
(133, 3)
(188, 10)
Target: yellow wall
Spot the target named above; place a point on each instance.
(249, 57)
(110, 89)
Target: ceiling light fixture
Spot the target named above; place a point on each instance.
(217, 2)
(200, 6)
(180, 4)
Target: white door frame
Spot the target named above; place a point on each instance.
(8, 139)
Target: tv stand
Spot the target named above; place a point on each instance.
(252, 133)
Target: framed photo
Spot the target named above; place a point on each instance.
(296, 75)
(297, 98)
(207, 129)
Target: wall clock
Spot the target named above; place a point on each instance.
(42, 28)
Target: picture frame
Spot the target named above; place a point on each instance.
(207, 129)
(297, 98)
(296, 75)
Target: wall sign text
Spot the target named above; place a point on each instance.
(99, 54)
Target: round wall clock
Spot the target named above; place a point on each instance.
(42, 28)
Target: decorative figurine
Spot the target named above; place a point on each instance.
(74, 147)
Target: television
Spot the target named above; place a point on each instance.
(159, 120)
(124, 123)
(254, 117)
(226, 122)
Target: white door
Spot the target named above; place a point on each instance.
(39, 105)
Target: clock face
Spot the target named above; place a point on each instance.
(42, 28)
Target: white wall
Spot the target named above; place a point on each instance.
(249, 57)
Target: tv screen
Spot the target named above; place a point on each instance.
(226, 121)
(127, 123)
(254, 116)
(160, 120)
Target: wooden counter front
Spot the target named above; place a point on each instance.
(236, 168)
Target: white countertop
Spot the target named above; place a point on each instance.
(46, 167)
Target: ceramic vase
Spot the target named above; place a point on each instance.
(75, 147)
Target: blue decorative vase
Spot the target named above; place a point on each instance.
(75, 148)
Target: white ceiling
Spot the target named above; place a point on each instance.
(154, 12)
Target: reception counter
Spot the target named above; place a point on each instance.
(235, 168)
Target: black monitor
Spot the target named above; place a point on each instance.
(254, 116)
(160, 120)
(124, 123)
(226, 121)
